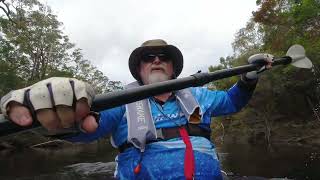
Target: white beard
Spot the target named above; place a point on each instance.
(157, 77)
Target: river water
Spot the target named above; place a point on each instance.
(97, 162)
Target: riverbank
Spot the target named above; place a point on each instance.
(276, 130)
(226, 130)
(277, 147)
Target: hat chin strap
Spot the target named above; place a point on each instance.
(173, 76)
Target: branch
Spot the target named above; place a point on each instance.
(7, 11)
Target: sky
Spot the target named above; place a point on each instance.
(108, 31)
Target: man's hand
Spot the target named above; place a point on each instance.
(56, 103)
(259, 59)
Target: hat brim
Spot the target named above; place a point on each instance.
(175, 53)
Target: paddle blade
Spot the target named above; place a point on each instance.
(299, 58)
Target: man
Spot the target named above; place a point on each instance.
(163, 137)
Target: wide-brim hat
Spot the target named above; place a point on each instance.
(175, 56)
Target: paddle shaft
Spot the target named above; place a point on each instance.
(117, 98)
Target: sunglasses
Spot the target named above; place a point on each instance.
(150, 57)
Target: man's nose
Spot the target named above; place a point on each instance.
(156, 60)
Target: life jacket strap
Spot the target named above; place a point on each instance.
(164, 134)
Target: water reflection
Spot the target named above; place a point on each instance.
(43, 164)
(97, 162)
(296, 162)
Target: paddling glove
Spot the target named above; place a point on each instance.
(259, 59)
(49, 93)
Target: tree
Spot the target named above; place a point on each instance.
(289, 22)
(87, 72)
(5, 8)
(36, 48)
(248, 39)
(287, 92)
(225, 63)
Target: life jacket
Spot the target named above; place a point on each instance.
(141, 127)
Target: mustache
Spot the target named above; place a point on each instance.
(158, 67)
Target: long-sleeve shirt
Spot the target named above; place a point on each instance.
(165, 158)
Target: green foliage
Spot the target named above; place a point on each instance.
(248, 39)
(8, 78)
(285, 91)
(225, 63)
(33, 47)
(286, 23)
